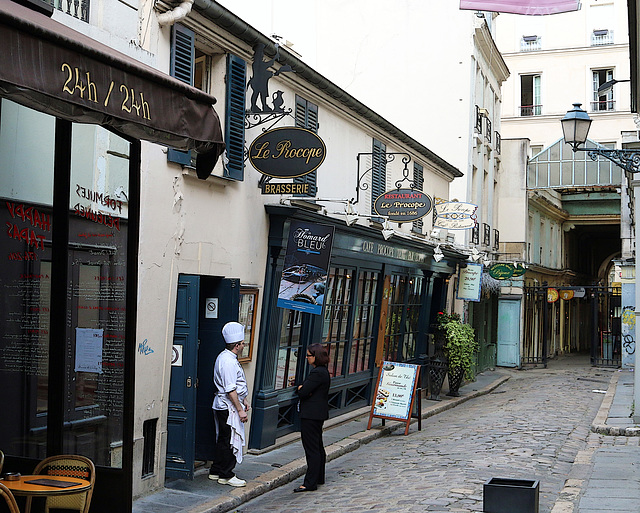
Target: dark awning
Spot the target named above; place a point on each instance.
(54, 69)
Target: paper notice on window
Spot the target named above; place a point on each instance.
(89, 350)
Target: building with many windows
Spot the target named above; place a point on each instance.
(132, 238)
(573, 211)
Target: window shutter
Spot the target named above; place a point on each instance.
(418, 183)
(306, 116)
(378, 174)
(235, 113)
(183, 52)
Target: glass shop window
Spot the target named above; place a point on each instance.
(26, 191)
(289, 350)
(94, 332)
(338, 305)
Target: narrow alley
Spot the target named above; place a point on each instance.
(531, 427)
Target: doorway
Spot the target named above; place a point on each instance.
(204, 304)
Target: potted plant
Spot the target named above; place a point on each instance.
(460, 347)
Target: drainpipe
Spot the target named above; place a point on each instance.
(176, 14)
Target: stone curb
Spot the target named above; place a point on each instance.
(600, 422)
(292, 471)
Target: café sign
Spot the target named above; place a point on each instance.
(403, 205)
(501, 271)
(455, 215)
(287, 152)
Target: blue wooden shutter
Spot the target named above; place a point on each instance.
(235, 113)
(307, 117)
(183, 53)
(418, 183)
(378, 174)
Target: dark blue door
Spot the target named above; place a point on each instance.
(225, 292)
(182, 394)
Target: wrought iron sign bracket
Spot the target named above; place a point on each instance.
(629, 160)
(389, 157)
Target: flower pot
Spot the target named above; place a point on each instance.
(455, 380)
(437, 370)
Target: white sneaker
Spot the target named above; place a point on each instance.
(214, 477)
(234, 481)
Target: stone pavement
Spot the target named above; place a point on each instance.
(268, 470)
(605, 476)
(561, 425)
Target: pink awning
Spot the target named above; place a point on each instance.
(530, 7)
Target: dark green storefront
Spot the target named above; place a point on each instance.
(369, 279)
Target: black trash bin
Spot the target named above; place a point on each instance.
(502, 495)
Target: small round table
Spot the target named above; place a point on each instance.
(46, 486)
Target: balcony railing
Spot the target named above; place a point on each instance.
(530, 110)
(601, 37)
(530, 45)
(498, 143)
(603, 105)
(76, 8)
(478, 126)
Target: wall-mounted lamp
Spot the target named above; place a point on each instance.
(387, 231)
(475, 255)
(437, 254)
(575, 127)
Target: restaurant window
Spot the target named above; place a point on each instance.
(289, 348)
(364, 330)
(86, 273)
(530, 102)
(306, 116)
(337, 308)
(403, 316)
(348, 328)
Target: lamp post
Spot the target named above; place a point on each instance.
(575, 126)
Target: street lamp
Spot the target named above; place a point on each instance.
(575, 126)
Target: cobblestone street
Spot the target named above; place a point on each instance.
(531, 427)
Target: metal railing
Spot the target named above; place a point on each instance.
(601, 37)
(77, 8)
(530, 110)
(530, 45)
(603, 105)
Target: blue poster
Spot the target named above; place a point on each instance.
(306, 265)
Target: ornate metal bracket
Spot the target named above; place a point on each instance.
(254, 119)
(389, 157)
(629, 160)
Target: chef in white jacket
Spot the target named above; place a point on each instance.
(230, 407)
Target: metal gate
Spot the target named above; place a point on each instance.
(571, 322)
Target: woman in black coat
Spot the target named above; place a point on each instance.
(314, 410)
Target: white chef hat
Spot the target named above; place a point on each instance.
(233, 332)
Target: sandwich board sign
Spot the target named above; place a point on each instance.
(395, 392)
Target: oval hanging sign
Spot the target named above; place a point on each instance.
(518, 271)
(287, 152)
(501, 271)
(552, 295)
(403, 205)
(455, 215)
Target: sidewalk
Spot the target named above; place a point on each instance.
(267, 470)
(605, 477)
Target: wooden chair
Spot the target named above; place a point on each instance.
(9, 499)
(67, 465)
(1, 461)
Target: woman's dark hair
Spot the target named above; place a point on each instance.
(320, 353)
